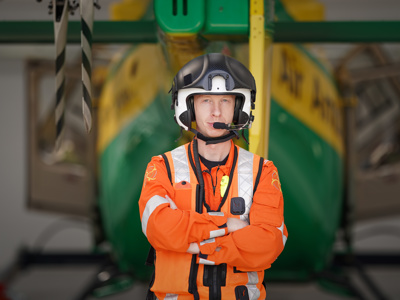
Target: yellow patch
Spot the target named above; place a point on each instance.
(224, 184)
(275, 181)
(151, 172)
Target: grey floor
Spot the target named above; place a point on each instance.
(69, 281)
(66, 283)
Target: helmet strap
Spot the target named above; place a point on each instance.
(215, 140)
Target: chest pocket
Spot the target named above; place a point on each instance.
(183, 194)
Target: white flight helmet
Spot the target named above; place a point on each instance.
(213, 73)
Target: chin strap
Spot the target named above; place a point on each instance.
(216, 140)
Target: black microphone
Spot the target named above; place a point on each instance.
(219, 125)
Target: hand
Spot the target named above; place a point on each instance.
(193, 248)
(235, 224)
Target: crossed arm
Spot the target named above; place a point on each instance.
(251, 247)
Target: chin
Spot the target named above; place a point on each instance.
(217, 133)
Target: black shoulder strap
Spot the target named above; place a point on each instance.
(150, 262)
(168, 167)
(260, 166)
(150, 257)
(150, 295)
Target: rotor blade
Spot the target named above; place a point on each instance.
(60, 32)
(87, 7)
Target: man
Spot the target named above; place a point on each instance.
(212, 211)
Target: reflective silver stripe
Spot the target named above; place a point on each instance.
(151, 205)
(181, 164)
(253, 278)
(206, 262)
(216, 213)
(207, 242)
(254, 292)
(217, 233)
(245, 180)
(171, 297)
(284, 238)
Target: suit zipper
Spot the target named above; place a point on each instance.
(212, 181)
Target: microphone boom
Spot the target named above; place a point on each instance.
(220, 125)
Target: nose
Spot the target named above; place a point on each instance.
(216, 109)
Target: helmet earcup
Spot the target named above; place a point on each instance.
(238, 108)
(243, 118)
(192, 114)
(190, 106)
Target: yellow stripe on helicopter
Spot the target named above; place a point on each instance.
(130, 90)
(301, 87)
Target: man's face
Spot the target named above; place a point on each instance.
(213, 108)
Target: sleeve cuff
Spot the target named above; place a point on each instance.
(217, 217)
(218, 232)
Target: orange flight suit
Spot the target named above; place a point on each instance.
(230, 265)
